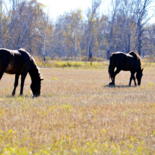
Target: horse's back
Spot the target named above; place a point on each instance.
(118, 58)
(5, 56)
(14, 61)
(124, 61)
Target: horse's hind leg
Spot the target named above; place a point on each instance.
(1, 74)
(23, 76)
(111, 73)
(115, 73)
(15, 84)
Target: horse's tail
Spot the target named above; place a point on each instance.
(111, 67)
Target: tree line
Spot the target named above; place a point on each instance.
(73, 36)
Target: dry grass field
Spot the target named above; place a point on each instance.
(78, 113)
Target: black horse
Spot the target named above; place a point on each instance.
(20, 62)
(128, 62)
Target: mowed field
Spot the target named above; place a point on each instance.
(77, 113)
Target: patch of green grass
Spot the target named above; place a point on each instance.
(84, 64)
(72, 64)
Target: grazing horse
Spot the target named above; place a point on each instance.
(127, 62)
(20, 62)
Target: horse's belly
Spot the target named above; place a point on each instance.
(126, 69)
(10, 69)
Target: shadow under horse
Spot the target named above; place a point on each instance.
(127, 62)
(20, 63)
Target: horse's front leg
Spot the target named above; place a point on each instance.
(15, 84)
(132, 77)
(23, 76)
(130, 80)
(135, 81)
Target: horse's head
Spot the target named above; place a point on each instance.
(35, 87)
(139, 76)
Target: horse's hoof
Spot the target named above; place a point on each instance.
(13, 94)
(111, 84)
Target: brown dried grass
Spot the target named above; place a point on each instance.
(78, 113)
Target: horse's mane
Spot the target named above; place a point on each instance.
(34, 70)
(135, 55)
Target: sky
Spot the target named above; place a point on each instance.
(55, 8)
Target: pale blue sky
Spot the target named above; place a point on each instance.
(55, 8)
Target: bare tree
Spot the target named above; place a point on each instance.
(115, 8)
(1, 24)
(67, 35)
(26, 25)
(92, 15)
(141, 18)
